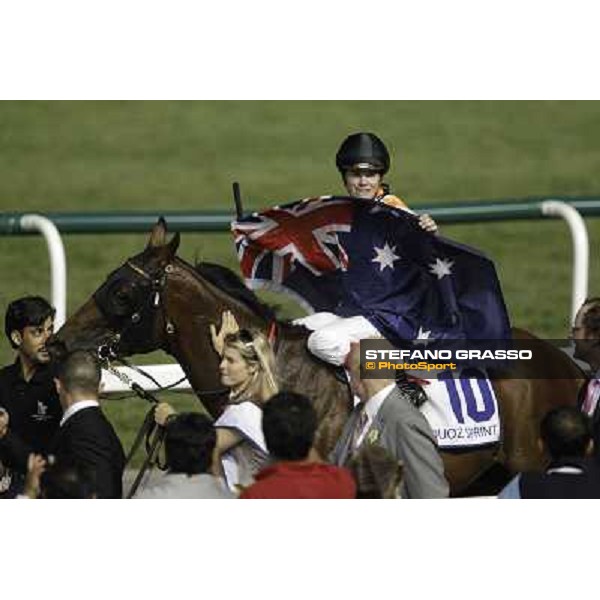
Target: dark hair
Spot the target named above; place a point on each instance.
(566, 431)
(189, 443)
(79, 371)
(289, 422)
(591, 317)
(30, 311)
(67, 480)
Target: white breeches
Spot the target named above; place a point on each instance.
(332, 336)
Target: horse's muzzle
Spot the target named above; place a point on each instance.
(57, 349)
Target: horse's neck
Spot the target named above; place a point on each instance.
(192, 307)
(211, 301)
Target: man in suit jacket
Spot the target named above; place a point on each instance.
(565, 434)
(85, 436)
(386, 417)
(586, 339)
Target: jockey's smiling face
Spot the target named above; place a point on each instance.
(362, 183)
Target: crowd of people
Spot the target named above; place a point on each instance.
(55, 441)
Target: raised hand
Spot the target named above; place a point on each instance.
(228, 326)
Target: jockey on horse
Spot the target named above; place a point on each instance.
(362, 160)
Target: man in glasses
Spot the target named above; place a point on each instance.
(386, 417)
(585, 334)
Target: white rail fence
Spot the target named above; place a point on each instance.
(168, 374)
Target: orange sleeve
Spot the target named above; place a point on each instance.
(394, 201)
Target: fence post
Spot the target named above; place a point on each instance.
(581, 249)
(58, 262)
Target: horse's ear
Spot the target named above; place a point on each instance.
(174, 244)
(158, 234)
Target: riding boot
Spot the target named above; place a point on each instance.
(341, 375)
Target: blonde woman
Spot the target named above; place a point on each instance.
(247, 368)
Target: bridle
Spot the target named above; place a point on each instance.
(140, 323)
(140, 326)
(141, 320)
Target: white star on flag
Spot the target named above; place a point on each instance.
(441, 267)
(385, 256)
(422, 337)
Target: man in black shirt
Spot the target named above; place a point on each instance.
(29, 405)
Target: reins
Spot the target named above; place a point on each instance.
(149, 431)
(140, 321)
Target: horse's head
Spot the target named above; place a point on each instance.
(156, 300)
(126, 314)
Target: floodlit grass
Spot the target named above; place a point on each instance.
(161, 156)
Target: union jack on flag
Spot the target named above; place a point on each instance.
(277, 246)
(356, 257)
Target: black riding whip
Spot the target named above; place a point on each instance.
(237, 198)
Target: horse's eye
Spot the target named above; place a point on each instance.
(122, 295)
(120, 299)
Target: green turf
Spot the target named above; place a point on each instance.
(160, 156)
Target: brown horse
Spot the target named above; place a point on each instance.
(157, 300)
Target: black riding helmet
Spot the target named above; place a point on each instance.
(365, 150)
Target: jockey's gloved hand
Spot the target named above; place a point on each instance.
(427, 223)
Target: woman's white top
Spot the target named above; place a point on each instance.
(244, 460)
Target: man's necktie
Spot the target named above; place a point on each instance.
(361, 423)
(591, 397)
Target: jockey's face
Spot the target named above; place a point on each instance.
(235, 371)
(362, 183)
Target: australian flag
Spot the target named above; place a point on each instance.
(359, 257)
